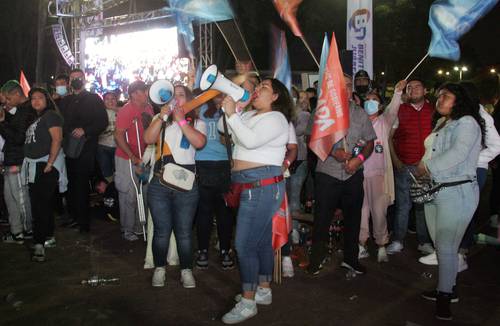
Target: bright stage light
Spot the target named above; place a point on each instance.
(115, 60)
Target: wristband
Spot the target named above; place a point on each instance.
(182, 122)
(287, 162)
(361, 157)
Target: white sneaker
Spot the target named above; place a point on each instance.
(494, 221)
(394, 247)
(263, 296)
(287, 267)
(425, 248)
(363, 252)
(50, 242)
(430, 259)
(187, 279)
(243, 310)
(158, 277)
(382, 255)
(462, 263)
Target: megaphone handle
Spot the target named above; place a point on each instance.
(199, 100)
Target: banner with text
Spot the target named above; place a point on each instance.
(62, 44)
(360, 34)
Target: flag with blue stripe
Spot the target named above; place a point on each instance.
(449, 20)
(281, 62)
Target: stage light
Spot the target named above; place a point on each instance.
(456, 68)
(447, 73)
(464, 68)
(440, 72)
(493, 71)
(382, 73)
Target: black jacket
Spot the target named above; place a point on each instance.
(13, 130)
(86, 111)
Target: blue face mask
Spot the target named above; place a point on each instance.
(371, 106)
(61, 90)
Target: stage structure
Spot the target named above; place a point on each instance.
(92, 19)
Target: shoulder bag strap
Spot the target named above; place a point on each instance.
(228, 140)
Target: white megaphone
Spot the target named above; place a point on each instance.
(212, 78)
(161, 92)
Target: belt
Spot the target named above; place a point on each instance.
(261, 183)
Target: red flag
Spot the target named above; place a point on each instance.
(282, 225)
(288, 12)
(331, 119)
(24, 84)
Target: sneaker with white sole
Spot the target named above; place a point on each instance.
(158, 277)
(430, 259)
(187, 279)
(129, 236)
(287, 267)
(426, 248)
(50, 242)
(243, 310)
(263, 296)
(394, 247)
(13, 238)
(38, 253)
(363, 252)
(28, 234)
(462, 263)
(382, 255)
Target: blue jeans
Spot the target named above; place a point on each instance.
(447, 218)
(106, 159)
(172, 210)
(402, 180)
(253, 241)
(296, 181)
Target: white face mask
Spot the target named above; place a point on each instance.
(371, 106)
(61, 90)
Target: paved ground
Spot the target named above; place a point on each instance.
(51, 292)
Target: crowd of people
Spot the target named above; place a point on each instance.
(232, 163)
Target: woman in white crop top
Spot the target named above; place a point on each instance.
(260, 137)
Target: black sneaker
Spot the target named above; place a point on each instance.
(38, 253)
(357, 268)
(202, 259)
(433, 294)
(13, 238)
(226, 260)
(28, 234)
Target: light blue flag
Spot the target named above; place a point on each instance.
(184, 24)
(281, 63)
(325, 51)
(197, 77)
(449, 20)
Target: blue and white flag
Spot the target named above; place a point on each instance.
(449, 20)
(187, 11)
(281, 63)
(325, 50)
(197, 77)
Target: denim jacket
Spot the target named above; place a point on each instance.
(455, 151)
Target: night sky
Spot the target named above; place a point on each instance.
(400, 38)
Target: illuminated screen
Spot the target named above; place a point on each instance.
(115, 60)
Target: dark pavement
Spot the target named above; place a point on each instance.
(388, 294)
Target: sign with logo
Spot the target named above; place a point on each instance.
(360, 35)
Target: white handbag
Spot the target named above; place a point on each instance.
(177, 177)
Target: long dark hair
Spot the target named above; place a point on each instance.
(284, 102)
(50, 103)
(466, 103)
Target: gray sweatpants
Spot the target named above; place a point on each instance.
(18, 204)
(447, 217)
(129, 214)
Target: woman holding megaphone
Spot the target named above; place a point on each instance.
(173, 192)
(260, 137)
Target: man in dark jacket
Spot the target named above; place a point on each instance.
(14, 120)
(84, 119)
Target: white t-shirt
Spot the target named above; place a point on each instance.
(259, 138)
(173, 137)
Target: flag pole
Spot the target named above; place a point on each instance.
(309, 49)
(227, 41)
(418, 64)
(246, 47)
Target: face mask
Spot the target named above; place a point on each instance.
(362, 89)
(371, 107)
(77, 84)
(61, 90)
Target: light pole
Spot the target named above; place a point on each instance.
(460, 70)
